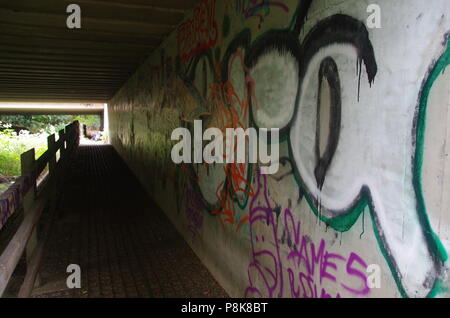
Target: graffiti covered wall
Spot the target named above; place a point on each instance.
(363, 114)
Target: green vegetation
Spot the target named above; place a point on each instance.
(48, 123)
(91, 121)
(20, 133)
(3, 188)
(12, 145)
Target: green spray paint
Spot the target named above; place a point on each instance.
(346, 221)
(433, 241)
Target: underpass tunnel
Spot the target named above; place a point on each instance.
(99, 218)
(268, 149)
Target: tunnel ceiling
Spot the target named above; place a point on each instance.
(41, 59)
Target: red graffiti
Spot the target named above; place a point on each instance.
(199, 33)
(226, 101)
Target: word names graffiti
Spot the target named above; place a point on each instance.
(307, 268)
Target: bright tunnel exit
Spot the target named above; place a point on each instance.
(24, 126)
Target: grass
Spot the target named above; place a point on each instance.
(12, 145)
(3, 188)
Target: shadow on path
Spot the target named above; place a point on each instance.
(124, 244)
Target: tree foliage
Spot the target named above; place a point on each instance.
(48, 123)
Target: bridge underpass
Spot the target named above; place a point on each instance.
(100, 217)
(358, 206)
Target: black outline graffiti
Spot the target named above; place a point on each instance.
(336, 29)
(329, 72)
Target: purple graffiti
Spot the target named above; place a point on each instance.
(262, 251)
(254, 8)
(308, 266)
(193, 211)
(355, 272)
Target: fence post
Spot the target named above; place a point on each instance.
(25, 240)
(27, 162)
(62, 139)
(51, 145)
(52, 166)
(77, 133)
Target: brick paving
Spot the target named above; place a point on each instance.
(124, 244)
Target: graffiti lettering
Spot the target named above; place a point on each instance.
(308, 268)
(198, 33)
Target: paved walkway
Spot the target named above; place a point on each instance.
(123, 242)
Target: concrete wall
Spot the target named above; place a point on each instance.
(364, 169)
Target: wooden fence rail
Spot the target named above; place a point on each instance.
(32, 192)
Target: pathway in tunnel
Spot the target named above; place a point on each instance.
(124, 244)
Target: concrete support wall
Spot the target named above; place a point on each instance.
(363, 185)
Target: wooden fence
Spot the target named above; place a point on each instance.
(33, 191)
